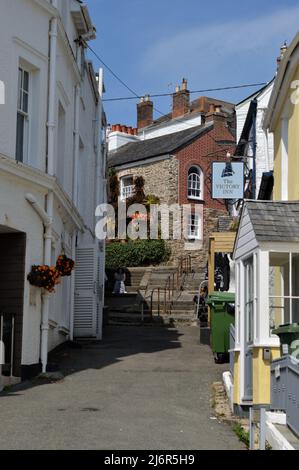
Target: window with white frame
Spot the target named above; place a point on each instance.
(22, 116)
(195, 183)
(194, 227)
(249, 300)
(283, 288)
(127, 187)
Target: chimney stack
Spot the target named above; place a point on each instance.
(145, 112)
(216, 115)
(181, 100)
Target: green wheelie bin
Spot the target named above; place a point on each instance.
(289, 339)
(222, 306)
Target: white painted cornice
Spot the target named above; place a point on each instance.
(47, 6)
(282, 83)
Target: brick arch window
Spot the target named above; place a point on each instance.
(195, 183)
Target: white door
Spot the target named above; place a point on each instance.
(85, 315)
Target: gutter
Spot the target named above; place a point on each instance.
(91, 30)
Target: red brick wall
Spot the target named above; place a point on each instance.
(202, 152)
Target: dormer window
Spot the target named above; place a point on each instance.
(195, 183)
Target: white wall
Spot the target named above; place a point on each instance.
(119, 139)
(264, 140)
(24, 37)
(170, 127)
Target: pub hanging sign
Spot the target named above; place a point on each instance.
(228, 180)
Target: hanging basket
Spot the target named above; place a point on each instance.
(65, 265)
(46, 277)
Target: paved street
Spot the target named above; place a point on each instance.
(141, 388)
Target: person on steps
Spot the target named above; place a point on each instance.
(119, 285)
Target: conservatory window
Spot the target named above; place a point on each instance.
(195, 186)
(284, 288)
(249, 299)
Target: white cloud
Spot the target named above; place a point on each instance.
(207, 49)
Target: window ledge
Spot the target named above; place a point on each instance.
(198, 199)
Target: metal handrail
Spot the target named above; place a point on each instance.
(173, 283)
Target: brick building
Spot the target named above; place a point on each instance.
(174, 154)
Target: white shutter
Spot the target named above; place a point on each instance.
(85, 315)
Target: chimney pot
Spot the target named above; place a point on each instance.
(283, 50)
(184, 84)
(181, 101)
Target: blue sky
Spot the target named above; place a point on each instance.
(152, 44)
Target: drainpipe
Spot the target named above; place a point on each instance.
(100, 156)
(76, 134)
(76, 145)
(38, 209)
(47, 218)
(254, 151)
(74, 242)
(51, 171)
(101, 187)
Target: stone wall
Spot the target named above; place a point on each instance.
(161, 178)
(199, 255)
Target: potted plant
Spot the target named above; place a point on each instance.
(65, 265)
(46, 277)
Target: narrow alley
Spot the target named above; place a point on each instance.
(141, 388)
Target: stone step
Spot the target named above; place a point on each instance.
(132, 315)
(170, 319)
(183, 306)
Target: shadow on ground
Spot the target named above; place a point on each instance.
(72, 358)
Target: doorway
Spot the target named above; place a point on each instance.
(12, 279)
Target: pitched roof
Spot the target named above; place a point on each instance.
(274, 221)
(164, 145)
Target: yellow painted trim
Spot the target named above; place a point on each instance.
(261, 375)
(237, 397)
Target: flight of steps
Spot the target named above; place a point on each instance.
(135, 278)
(127, 309)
